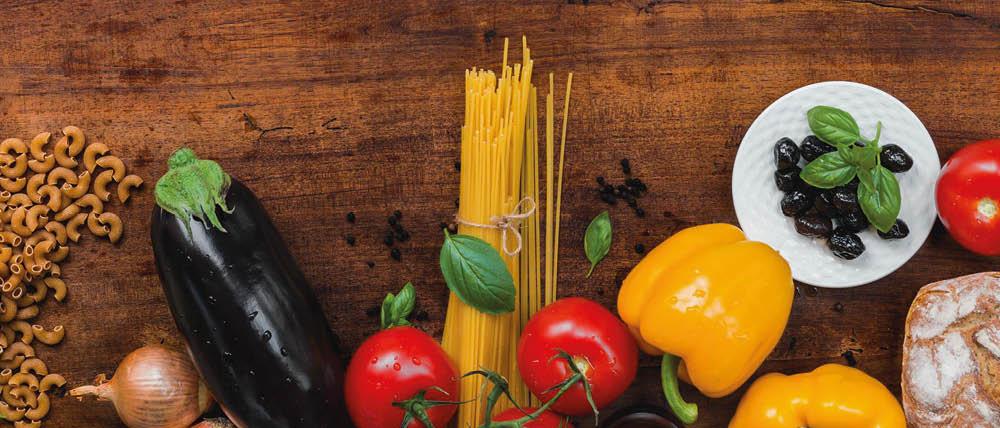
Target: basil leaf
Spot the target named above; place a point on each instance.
(828, 171)
(477, 274)
(833, 125)
(597, 240)
(395, 308)
(879, 197)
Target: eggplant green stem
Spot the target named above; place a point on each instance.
(686, 412)
(193, 188)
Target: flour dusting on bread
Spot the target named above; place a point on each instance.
(951, 354)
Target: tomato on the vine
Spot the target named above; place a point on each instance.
(545, 420)
(595, 339)
(968, 197)
(397, 365)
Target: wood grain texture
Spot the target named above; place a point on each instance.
(362, 104)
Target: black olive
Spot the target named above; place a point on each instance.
(788, 179)
(814, 225)
(895, 159)
(786, 153)
(824, 204)
(899, 230)
(845, 245)
(812, 147)
(846, 199)
(795, 202)
(853, 222)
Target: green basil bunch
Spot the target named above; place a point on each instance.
(878, 192)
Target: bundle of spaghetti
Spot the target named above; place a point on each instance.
(500, 119)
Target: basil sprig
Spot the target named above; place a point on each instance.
(878, 193)
(477, 274)
(597, 240)
(395, 308)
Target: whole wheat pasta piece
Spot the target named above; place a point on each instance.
(44, 165)
(79, 189)
(95, 226)
(126, 185)
(67, 213)
(37, 145)
(8, 309)
(31, 188)
(91, 153)
(113, 224)
(51, 381)
(49, 337)
(26, 334)
(75, 138)
(12, 414)
(61, 153)
(114, 163)
(16, 170)
(58, 231)
(91, 201)
(27, 312)
(35, 366)
(57, 286)
(15, 145)
(55, 256)
(40, 410)
(13, 184)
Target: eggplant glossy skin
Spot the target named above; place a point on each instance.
(253, 325)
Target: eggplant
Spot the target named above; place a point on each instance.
(253, 325)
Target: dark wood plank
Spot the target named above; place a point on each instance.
(371, 93)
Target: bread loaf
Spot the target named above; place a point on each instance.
(951, 354)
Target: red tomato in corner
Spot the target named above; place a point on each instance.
(392, 366)
(596, 339)
(968, 197)
(545, 420)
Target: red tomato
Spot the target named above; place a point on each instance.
(597, 341)
(545, 420)
(393, 366)
(968, 197)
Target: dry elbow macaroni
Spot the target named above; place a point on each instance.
(46, 200)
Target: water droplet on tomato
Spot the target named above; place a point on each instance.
(396, 367)
(416, 361)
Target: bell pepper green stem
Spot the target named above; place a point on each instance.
(686, 412)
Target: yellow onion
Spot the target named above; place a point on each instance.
(154, 387)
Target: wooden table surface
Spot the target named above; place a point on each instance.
(328, 107)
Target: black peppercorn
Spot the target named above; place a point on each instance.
(600, 180)
(370, 264)
(849, 358)
(639, 248)
(640, 212)
(458, 165)
(393, 220)
(350, 240)
(838, 307)
(388, 240)
(626, 167)
(396, 255)
(608, 198)
(351, 217)
(398, 214)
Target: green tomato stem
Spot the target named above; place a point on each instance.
(686, 412)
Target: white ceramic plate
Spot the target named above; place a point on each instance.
(757, 199)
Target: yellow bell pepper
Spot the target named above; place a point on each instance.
(832, 396)
(713, 299)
